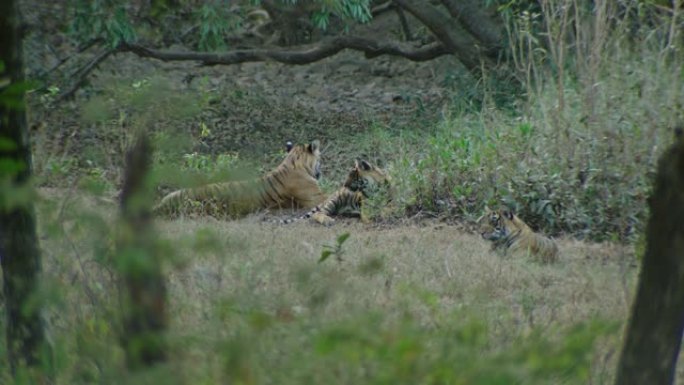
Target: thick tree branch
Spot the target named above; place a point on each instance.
(309, 54)
(454, 37)
(477, 22)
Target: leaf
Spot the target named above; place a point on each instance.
(7, 145)
(324, 255)
(343, 237)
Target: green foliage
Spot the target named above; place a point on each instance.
(12, 93)
(106, 19)
(215, 22)
(463, 352)
(208, 164)
(334, 250)
(12, 96)
(465, 166)
(204, 168)
(348, 10)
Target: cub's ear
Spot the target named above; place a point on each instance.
(362, 165)
(314, 146)
(487, 210)
(288, 146)
(508, 214)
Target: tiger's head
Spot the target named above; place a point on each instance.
(366, 177)
(498, 224)
(304, 156)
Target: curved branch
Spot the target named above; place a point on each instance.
(306, 55)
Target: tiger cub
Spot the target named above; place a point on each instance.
(510, 233)
(363, 180)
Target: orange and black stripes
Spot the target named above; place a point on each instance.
(294, 183)
(507, 232)
(361, 181)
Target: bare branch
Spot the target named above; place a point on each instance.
(304, 55)
(82, 74)
(81, 49)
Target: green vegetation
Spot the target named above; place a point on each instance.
(410, 299)
(402, 306)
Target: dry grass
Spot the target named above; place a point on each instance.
(264, 262)
(249, 300)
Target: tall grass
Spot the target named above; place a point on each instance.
(576, 155)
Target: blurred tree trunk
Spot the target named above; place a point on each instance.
(19, 252)
(140, 266)
(654, 333)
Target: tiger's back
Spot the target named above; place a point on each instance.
(508, 233)
(293, 184)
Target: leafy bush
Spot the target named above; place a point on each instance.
(106, 19)
(577, 155)
(215, 22)
(465, 167)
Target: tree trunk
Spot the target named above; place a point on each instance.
(19, 252)
(654, 332)
(139, 261)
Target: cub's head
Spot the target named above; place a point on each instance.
(497, 224)
(304, 156)
(366, 177)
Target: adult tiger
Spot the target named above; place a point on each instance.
(293, 184)
(510, 233)
(363, 180)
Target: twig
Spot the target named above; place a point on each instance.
(83, 72)
(446, 261)
(77, 255)
(86, 46)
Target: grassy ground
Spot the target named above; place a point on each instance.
(250, 302)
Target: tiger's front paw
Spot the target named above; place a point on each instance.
(323, 219)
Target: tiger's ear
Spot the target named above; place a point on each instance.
(314, 146)
(362, 164)
(288, 146)
(508, 214)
